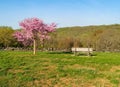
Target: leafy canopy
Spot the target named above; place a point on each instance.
(33, 29)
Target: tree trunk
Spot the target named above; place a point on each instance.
(88, 49)
(34, 46)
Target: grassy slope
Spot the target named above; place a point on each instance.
(22, 69)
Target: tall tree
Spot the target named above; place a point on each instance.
(6, 37)
(34, 29)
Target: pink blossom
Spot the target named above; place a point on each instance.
(33, 28)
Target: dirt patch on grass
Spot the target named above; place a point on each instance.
(78, 66)
(99, 82)
(16, 71)
(115, 68)
(73, 82)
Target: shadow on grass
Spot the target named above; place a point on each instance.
(79, 54)
(59, 52)
(85, 54)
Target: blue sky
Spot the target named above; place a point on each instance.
(63, 12)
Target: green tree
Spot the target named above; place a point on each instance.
(6, 36)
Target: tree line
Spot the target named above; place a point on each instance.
(100, 38)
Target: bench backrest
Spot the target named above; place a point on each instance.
(82, 49)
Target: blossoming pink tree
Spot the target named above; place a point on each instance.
(33, 29)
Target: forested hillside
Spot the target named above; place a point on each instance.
(101, 38)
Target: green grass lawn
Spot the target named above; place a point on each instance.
(55, 69)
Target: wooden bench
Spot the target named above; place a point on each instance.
(89, 51)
